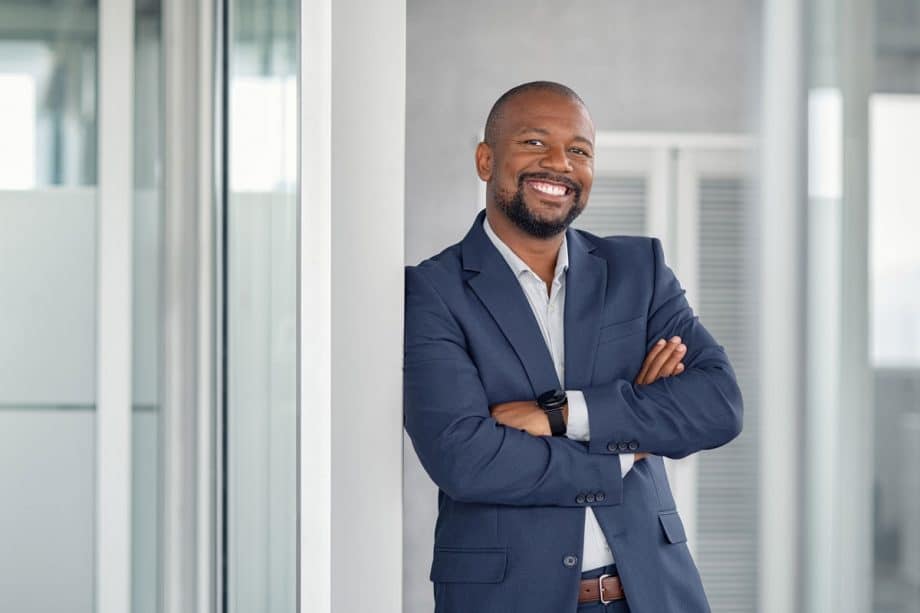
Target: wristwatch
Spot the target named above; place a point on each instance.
(552, 403)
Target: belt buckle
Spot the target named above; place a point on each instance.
(600, 588)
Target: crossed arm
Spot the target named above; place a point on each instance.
(474, 457)
(663, 360)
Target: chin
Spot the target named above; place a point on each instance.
(554, 214)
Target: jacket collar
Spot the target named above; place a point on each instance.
(497, 287)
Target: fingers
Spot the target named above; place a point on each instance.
(654, 351)
(669, 363)
(640, 455)
(663, 360)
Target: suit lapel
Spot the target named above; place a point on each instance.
(500, 292)
(585, 289)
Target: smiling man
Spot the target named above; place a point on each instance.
(547, 373)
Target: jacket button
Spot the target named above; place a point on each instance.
(633, 445)
(623, 446)
(589, 498)
(611, 446)
(570, 561)
(580, 499)
(600, 496)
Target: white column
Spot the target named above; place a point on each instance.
(780, 258)
(113, 326)
(351, 305)
(314, 304)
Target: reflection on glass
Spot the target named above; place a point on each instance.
(48, 80)
(865, 100)
(261, 307)
(48, 56)
(894, 303)
(895, 306)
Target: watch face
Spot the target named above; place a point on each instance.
(551, 399)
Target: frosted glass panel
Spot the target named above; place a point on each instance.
(46, 519)
(48, 297)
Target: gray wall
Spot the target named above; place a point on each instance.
(640, 66)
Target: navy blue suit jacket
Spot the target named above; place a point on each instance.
(510, 525)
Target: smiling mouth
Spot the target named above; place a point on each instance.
(549, 188)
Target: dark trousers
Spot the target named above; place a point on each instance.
(617, 606)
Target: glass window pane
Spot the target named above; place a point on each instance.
(261, 307)
(48, 81)
(895, 350)
(894, 303)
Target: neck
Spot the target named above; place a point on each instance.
(539, 253)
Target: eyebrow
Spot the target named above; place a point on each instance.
(545, 132)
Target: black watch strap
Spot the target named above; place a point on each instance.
(556, 421)
(553, 402)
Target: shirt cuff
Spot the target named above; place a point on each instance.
(626, 462)
(577, 427)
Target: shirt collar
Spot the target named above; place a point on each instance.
(518, 265)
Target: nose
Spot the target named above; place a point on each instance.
(555, 159)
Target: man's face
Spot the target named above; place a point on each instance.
(540, 168)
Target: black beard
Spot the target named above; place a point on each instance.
(516, 210)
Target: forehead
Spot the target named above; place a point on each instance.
(548, 111)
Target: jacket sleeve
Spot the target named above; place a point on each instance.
(468, 454)
(701, 408)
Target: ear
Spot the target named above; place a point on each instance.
(484, 161)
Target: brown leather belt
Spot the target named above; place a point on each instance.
(604, 589)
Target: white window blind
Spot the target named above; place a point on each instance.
(727, 486)
(691, 191)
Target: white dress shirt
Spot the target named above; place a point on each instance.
(549, 312)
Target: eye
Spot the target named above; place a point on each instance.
(533, 141)
(579, 151)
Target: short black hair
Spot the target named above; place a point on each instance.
(495, 115)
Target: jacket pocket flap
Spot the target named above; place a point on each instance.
(673, 526)
(621, 329)
(469, 564)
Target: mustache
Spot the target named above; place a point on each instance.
(548, 176)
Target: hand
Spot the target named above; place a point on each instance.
(663, 360)
(524, 415)
(527, 415)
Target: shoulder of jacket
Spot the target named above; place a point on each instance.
(618, 245)
(438, 268)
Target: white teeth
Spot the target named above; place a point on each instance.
(549, 188)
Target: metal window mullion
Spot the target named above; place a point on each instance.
(183, 416)
(114, 306)
(206, 459)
